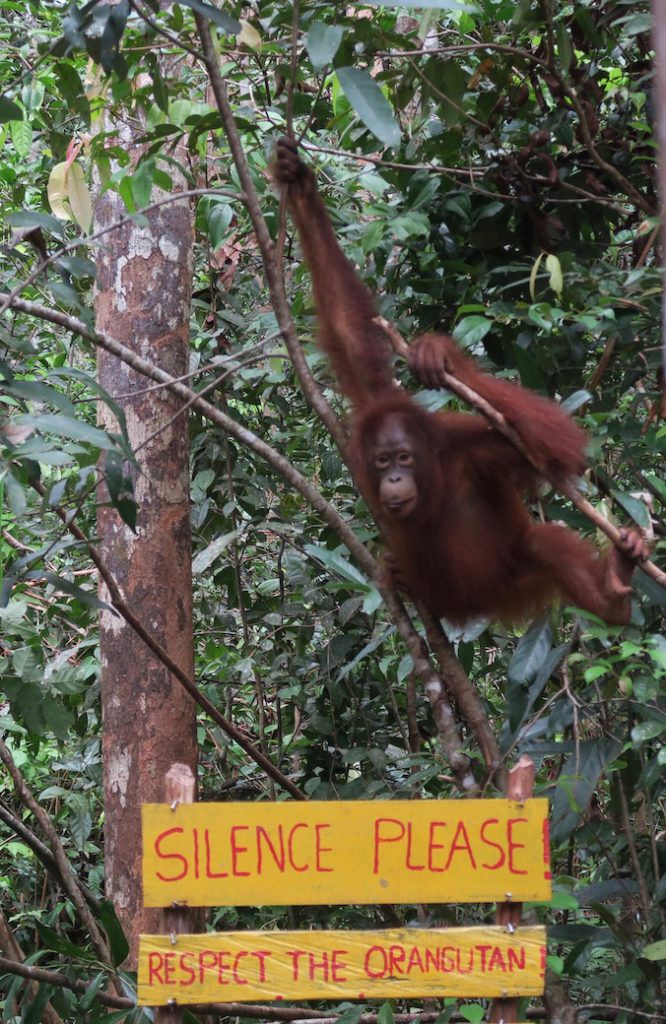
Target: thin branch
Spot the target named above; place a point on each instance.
(271, 268)
(132, 620)
(69, 882)
(8, 298)
(452, 745)
(41, 851)
(46, 977)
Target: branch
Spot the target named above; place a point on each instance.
(498, 421)
(40, 974)
(69, 881)
(452, 745)
(41, 852)
(14, 952)
(268, 253)
(160, 652)
(8, 298)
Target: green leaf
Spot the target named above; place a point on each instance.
(21, 133)
(636, 508)
(86, 597)
(564, 47)
(655, 950)
(142, 182)
(645, 731)
(385, 1014)
(206, 557)
(451, 84)
(80, 819)
(218, 218)
(531, 651)
(67, 426)
(370, 104)
(223, 20)
(471, 329)
(115, 934)
(323, 42)
(9, 111)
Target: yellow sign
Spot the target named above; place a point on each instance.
(247, 966)
(397, 851)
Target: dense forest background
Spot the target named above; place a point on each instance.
(187, 567)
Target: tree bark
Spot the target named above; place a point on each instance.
(143, 297)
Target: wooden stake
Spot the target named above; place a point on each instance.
(520, 787)
(180, 788)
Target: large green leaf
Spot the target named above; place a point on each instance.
(220, 18)
(323, 42)
(67, 426)
(370, 104)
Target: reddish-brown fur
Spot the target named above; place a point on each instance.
(469, 548)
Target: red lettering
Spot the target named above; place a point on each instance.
(461, 832)
(319, 849)
(546, 849)
(396, 959)
(292, 834)
(513, 845)
(236, 850)
(170, 856)
(278, 858)
(222, 966)
(209, 870)
(516, 958)
(295, 955)
(237, 978)
(415, 960)
(170, 968)
(483, 950)
(432, 845)
(261, 955)
(432, 959)
(448, 964)
(195, 838)
(408, 863)
(497, 961)
(380, 971)
(186, 970)
(207, 960)
(155, 965)
(379, 822)
(489, 842)
(338, 966)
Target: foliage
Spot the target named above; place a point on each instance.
(491, 169)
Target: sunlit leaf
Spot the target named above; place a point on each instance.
(249, 36)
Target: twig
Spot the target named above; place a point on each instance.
(41, 851)
(452, 746)
(68, 879)
(272, 269)
(499, 422)
(131, 619)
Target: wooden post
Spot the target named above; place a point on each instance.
(520, 787)
(180, 788)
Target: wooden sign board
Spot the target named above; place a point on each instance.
(266, 966)
(397, 851)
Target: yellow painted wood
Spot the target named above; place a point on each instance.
(266, 966)
(397, 851)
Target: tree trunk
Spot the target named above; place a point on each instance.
(143, 299)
